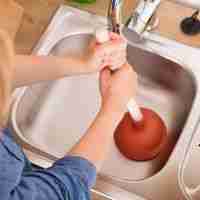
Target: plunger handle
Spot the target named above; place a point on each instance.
(133, 108)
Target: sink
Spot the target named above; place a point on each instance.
(50, 117)
(53, 116)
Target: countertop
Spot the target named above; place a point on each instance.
(11, 15)
(37, 15)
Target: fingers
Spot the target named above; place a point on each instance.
(114, 36)
(105, 76)
(118, 61)
(110, 53)
(112, 45)
(116, 42)
(102, 36)
(113, 53)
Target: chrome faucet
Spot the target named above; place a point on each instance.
(142, 15)
(114, 15)
(139, 19)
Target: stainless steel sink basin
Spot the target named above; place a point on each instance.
(54, 115)
(50, 117)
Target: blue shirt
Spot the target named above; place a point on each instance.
(70, 178)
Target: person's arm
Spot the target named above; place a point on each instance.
(71, 177)
(117, 88)
(94, 145)
(33, 69)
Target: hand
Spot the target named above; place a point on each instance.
(117, 88)
(6, 73)
(111, 53)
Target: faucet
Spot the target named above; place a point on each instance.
(141, 17)
(114, 15)
(143, 13)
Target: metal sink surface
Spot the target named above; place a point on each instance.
(50, 117)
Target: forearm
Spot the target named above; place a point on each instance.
(94, 146)
(33, 69)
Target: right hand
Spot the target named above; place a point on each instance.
(111, 53)
(118, 87)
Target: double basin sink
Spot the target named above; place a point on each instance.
(50, 117)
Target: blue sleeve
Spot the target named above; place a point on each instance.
(70, 178)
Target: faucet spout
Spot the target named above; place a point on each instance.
(114, 15)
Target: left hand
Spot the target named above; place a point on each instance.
(117, 88)
(111, 53)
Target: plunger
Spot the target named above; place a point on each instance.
(141, 135)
